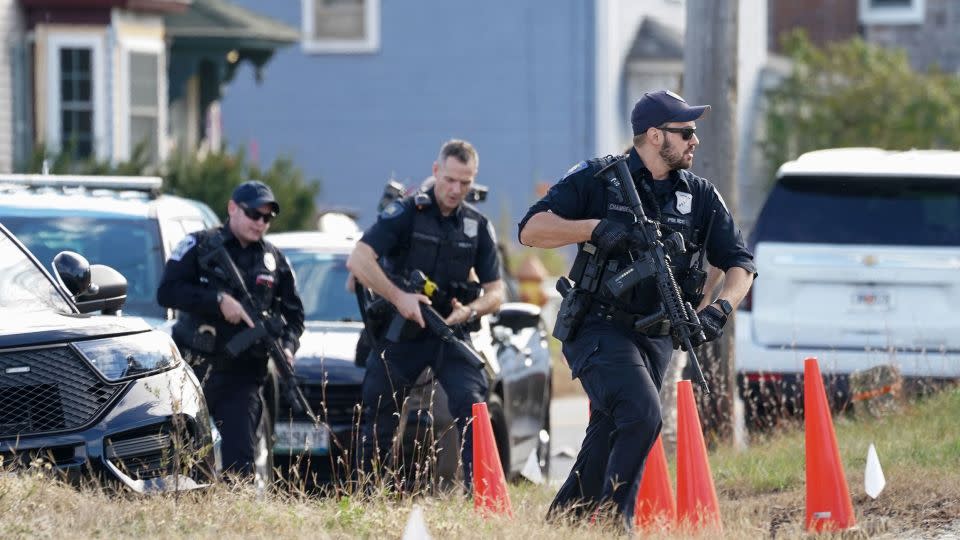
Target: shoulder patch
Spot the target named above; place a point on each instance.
(720, 198)
(185, 245)
(491, 231)
(392, 210)
(576, 168)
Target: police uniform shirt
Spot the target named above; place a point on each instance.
(686, 203)
(391, 235)
(182, 287)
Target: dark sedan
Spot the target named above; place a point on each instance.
(93, 394)
(513, 343)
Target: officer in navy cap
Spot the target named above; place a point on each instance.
(621, 369)
(436, 232)
(210, 314)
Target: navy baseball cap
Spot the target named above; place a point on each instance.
(254, 194)
(657, 108)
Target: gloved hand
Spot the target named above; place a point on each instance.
(610, 235)
(712, 321)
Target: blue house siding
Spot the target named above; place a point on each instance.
(514, 78)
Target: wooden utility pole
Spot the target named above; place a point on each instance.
(710, 77)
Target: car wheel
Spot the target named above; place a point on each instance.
(543, 446)
(263, 453)
(499, 423)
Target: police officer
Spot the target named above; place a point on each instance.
(211, 314)
(621, 369)
(436, 232)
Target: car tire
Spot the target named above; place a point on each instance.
(499, 424)
(263, 464)
(543, 446)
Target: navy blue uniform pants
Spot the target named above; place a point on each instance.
(235, 405)
(621, 373)
(387, 383)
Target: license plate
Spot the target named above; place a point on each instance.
(301, 437)
(872, 299)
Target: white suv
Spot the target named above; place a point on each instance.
(858, 255)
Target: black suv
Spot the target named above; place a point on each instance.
(88, 394)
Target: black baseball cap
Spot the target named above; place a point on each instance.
(657, 108)
(254, 194)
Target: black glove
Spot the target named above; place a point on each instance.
(712, 321)
(610, 235)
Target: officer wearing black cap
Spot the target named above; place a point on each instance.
(210, 315)
(621, 369)
(436, 232)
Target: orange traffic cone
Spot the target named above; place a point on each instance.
(489, 485)
(697, 504)
(828, 497)
(655, 498)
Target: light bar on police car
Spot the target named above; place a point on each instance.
(133, 183)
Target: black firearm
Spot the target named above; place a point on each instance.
(652, 262)
(418, 283)
(265, 328)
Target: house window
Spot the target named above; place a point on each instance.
(891, 11)
(144, 104)
(76, 101)
(74, 111)
(341, 26)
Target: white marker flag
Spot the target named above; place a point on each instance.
(531, 469)
(416, 528)
(873, 480)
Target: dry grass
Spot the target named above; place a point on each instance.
(761, 493)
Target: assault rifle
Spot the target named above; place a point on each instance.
(418, 283)
(265, 328)
(652, 262)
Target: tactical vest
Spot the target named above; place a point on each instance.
(261, 280)
(676, 215)
(446, 254)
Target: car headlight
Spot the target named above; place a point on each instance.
(130, 356)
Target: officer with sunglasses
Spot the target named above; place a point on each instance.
(621, 369)
(210, 314)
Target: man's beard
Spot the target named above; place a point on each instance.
(673, 160)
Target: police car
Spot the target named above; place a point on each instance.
(99, 395)
(120, 221)
(513, 342)
(858, 252)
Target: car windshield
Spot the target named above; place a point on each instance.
(839, 210)
(23, 286)
(130, 246)
(321, 282)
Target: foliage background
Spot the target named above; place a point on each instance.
(208, 177)
(855, 94)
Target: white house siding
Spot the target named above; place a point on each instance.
(617, 23)
(752, 178)
(11, 24)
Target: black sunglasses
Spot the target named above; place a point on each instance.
(686, 133)
(255, 214)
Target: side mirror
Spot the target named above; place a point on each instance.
(517, 316)
(94, 287)
(111, 291)
(73, 271)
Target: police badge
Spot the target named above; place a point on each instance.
(684, 202)
(269, 261)
(470, 227)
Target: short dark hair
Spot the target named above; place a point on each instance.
(459, 149)
(639, 139)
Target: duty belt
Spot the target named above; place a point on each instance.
(626, 320)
